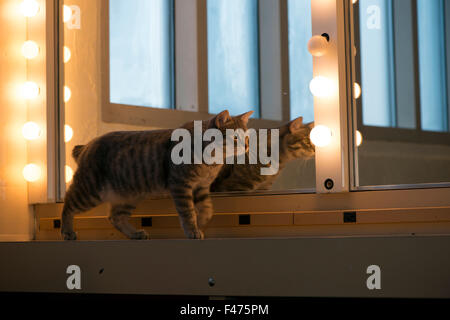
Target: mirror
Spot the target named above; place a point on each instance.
(144, 65)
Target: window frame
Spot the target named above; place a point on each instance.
(395, 134)
(191, 69)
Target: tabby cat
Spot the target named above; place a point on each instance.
(294, 143)
(124, 167)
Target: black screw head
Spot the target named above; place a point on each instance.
(211, 282)
(329, 184)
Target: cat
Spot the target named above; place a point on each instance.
(124, 167)
(294, 143)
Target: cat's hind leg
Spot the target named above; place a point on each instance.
(67, 216)
(76, 200)
(119, 217)
(204, 206)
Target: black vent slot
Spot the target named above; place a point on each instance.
(350, 217)
(146, 222)
(244, 219)
(56, 224)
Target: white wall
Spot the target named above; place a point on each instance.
(15, 215)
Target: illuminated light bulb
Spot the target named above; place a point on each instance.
(30, 49)
(69, 174)
(318, 46)
(30, 90)
(67, 54)
(31, 172)
(359, 138)
(357, 90)
(354, 1)
(320, 136)
(31, 131)
(67, 13)
(67, 93)
(29, 8)
(321, 87)
(68, 133)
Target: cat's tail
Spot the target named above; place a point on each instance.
(76, 151)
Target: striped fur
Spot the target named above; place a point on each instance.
(294, 144)
(124, 167)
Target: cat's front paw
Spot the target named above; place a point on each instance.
(196, 234)
(69, 235)
(140, 235)
(203, 223)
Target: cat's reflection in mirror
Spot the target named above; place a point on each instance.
(294, 143)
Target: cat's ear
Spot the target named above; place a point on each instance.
(244, 117)
(296, 124)
(222, 118)
(310, 125)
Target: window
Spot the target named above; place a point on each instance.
(403, 64)
(376, 49)
(188, 59)
(141, 58)
(300, 60)
(233, 62)
(432, 65)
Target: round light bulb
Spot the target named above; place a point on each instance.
(357, 90)
(354, 1)
(30, 90)
(30, 49)
(67, 54)
(359, 138)
(320, 136)
(67, 93)
(31, 172)
(67, 13)
(318, 46)
(321, 87)
(68, 133)
(29, 8)
(69, 174)
(31, 131)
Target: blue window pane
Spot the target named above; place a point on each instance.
(300, 60)
(141, 52)
(233, 56)
(377, 78)
(432, 65)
